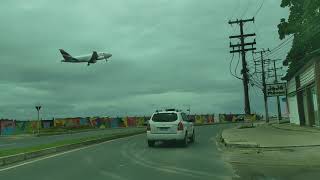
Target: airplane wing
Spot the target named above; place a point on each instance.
(94, 57)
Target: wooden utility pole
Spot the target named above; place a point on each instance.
(278, 98)
(241, 49)
(264, 84)
(274, 69)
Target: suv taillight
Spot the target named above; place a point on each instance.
(148, 127)
(180, 126)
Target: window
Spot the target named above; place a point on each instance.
(164, 117)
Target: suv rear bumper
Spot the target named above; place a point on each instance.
(178, 136)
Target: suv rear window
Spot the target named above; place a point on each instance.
(164, 117)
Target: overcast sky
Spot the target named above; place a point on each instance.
(165, 53)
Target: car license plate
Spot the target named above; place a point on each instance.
(163, 128)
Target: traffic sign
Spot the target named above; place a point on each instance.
(278, 89)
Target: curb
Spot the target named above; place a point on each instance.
(257, 146)
(238, 145)
(293, 129)
(7, 160)
(233, 145)
(294, 146)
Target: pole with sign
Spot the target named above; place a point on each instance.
(38, 107)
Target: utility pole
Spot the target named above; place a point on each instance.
(264, 89)
(278, 99)
(241, 49)
(276, 81)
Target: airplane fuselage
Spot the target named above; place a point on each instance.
(86, 58)
(90, 59)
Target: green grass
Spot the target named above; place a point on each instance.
(8, 152)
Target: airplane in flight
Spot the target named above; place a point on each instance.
(90, 59)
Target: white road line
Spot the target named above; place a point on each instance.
(62, 153)
(7, 144)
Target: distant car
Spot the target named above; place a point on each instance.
(240, 118)
(170, 125)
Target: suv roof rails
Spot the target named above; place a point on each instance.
(172, 109)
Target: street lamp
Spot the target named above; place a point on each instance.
(38, 107)
(189, 108)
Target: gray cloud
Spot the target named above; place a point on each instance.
(165, 53)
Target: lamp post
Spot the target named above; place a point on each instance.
(189, 108)
(38, 107)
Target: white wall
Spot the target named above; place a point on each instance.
(293, 110)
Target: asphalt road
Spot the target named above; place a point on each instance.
(27, 141)
(130, 159)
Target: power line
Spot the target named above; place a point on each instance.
(277, 51)
(281, 45)
(236, 69)
(256, 13)
(280, 52)
(260, 7)
(278, 47)
(288, 40)
(256, 82)
(246, 10)
(230, 68)
(236, 8)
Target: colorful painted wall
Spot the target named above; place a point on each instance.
(11, 127)
(203, 119)
(7, 126)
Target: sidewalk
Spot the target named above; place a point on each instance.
(272, 136)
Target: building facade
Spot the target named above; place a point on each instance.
(303, 94)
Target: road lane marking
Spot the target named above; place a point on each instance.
(112, 175)
(7, 144)
(62, 153)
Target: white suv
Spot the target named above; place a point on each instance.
(170, 125)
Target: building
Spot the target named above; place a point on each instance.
(303, 92)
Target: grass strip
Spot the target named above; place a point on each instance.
(13, 151)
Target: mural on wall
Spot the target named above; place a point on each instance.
(10, 127)
(7, 127)
(202, 119)
(59, 123)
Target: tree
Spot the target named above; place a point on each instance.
(304, 24)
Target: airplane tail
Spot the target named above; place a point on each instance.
(65, 55)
